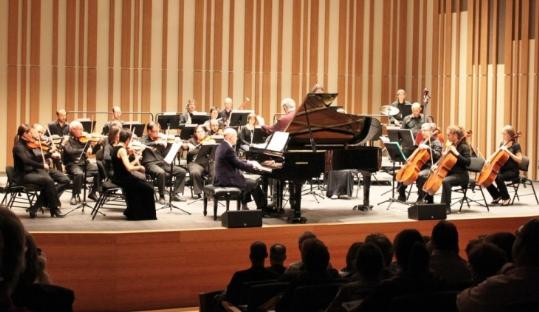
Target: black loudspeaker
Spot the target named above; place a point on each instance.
(427, 212)
(242, 218)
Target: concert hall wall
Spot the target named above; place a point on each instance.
(480, 58)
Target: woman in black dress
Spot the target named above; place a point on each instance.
(139, 194)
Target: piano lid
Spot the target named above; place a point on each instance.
(327, 124)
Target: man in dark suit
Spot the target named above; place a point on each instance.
(227, 171)
(187, 116)
(60, 126)
(227, 110)
(289, 108)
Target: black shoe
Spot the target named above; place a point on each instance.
(33, 211)
(56, 213)
(244, 207)
(93, 196)
(402, 198)
(496, 201)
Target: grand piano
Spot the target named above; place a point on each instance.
(321, 139)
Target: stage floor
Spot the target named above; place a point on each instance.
(323, 211)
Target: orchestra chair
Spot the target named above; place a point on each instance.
(109, 192)
(476, 164)
(522, 180)
(13, 192)
(218, 193)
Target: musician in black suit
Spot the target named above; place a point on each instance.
(227, 171)
(60, 126)
(153, 159)
(199, 165)
(190, 108)
(225, 113)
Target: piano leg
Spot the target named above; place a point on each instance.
(366, 192)
(295, 202)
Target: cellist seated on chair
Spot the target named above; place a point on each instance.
(430, 142)
(458, 174)
(508, 171)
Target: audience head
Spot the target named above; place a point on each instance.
(303, 237)
(288, 104)
(314, 255)
(277, 254)
(351, 256)
(116, 112)
(369, 262)
(12, 245)
(445, 237)
(258, 253)
(416, 109)
(526, 246)
(228, 104)
(384, 244)
(125, 136)
(404, 241)
(61, 116)
(401, 95)
(485, 259)
(35, 262)
(190, 106)
(76, 129)
(230, 135)
(505, 241)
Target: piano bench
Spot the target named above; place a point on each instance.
(221, 193)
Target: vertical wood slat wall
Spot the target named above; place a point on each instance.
(480, 58)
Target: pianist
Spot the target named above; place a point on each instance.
(227, 171)
(289, 108)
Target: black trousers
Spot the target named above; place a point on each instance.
(48, 195)
(253, 187)
(196, 174)
(76, 171)
(62, 181)
(161, 171)
(460, 178)
(421, 179)
(500, 189)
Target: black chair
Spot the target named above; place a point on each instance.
(220, 193)
(259, 293)
(208, 302)
(13, 192)
(476, 164)
(522, 180)
(314, 297)
(109, 192)
(443, 301)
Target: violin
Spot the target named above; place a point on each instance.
(496, 161)
(90, 137)
(409, 173)
(444, 166)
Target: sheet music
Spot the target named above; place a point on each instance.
(278, 141)
(169, 159)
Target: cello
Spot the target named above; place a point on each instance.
(495, 162)
(444, 166)
(409, 173)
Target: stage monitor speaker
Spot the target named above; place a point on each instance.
(242, 218)
(427, 212)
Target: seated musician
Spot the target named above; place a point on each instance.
(227, 171)
(215, 129)
(247, 132)
(60, 126)
(458, 175)
(214, 116)
(153, 159)
(227, 110)
(104, 154)
(414, 120)
(509, 171)
(190, 108)
(289, 108)
(199, 165)
(75, 150)
(400, 100)
(435, 146)
(116, 115)
(31, 169)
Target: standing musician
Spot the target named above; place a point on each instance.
(432, 143)
(60, 126)
(116, 115)
(77, 147)
(458, 175)
(400, 100)
(414, 120)
(227, 110)
(289, 108)
(510, 170)
(190, 108)
(31, 168)
(153, 159)
(199, 166)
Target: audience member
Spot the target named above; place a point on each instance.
(505, 241)
(445, 262)
(386, 247)
(350, 267)
(485, 260)
(257, 272)
(516, 287)
(296, 267)
(277, 258)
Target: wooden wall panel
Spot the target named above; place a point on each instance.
(364, 49)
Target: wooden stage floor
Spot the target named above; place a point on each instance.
(116, 265)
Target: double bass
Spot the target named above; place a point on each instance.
(409, 173)
(444, 166)
(495, 163)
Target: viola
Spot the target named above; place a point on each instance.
(496, 161)
(444, 166)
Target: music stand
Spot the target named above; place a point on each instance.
(199, 118)
(404, 137)
(88, 125)
(187, 131)
(259, 135)
(169, 121)
(238, 118)
(134, 127)
(404, 109)
(169, 159)
(395, 155)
